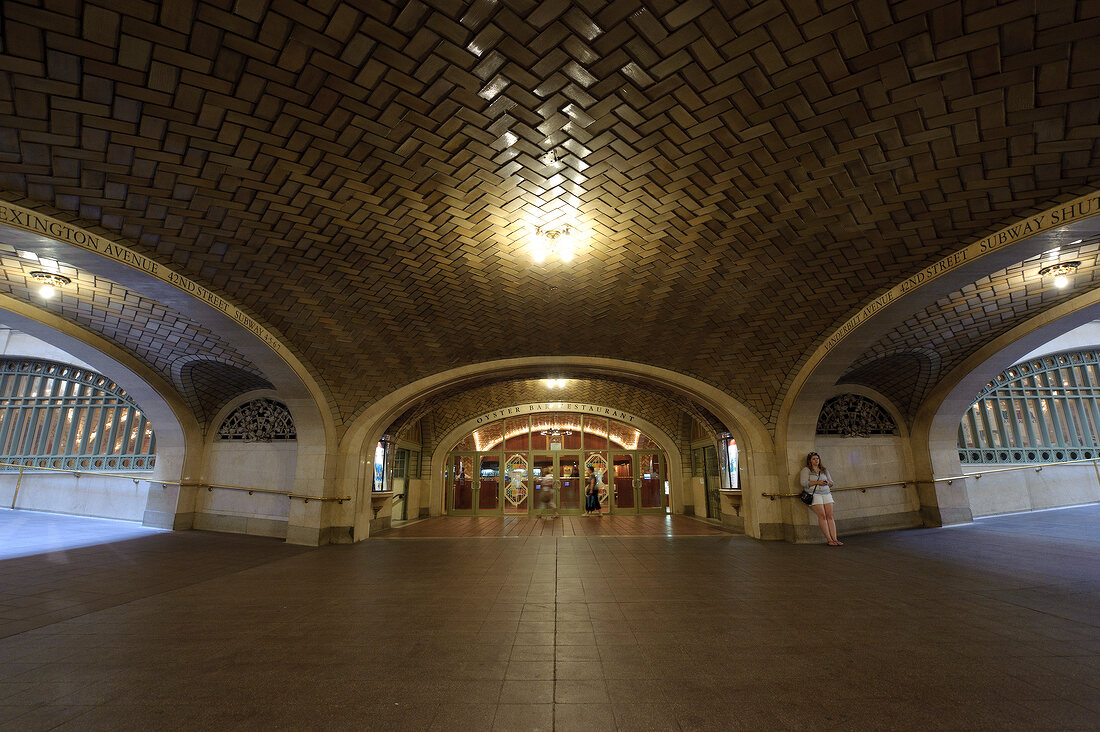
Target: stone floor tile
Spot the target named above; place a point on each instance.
(527, 691)
(977, 627)
(452, 717)
(583, 717)
(535, 670)
(524, 718)
(587, 691)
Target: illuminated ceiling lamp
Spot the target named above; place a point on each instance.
(49, 281)
(559, 241)
(1061, 272)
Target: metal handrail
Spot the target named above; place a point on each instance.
(860, 488)
(949, 479)
(74, 472)
(1033, 466)
(209, 486)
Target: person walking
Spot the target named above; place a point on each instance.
(591, 493)
(546, 493)
(815, 478)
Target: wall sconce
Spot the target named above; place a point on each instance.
(49, 281)
(1061, 272)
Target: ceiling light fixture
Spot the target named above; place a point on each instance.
(560, 241)
(50, 282)
(554, 383)
(1061, 272)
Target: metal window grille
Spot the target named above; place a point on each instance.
(854, 415)
(55, 415)
(260, 420)
(1038, 411)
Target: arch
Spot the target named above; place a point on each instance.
(846, 344)
(310, 523)
(937, 422)
(96, 253)
(667, 442)
(357, 445)
(179, 436)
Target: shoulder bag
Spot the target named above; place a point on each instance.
(807, 496)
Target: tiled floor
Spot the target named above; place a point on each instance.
(994, 625)
(643, 525)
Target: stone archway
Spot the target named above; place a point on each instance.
(369, 426)
(667, 443)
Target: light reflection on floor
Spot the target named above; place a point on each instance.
(25, 533)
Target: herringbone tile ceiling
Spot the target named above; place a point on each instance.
(908, 361)
(363, 176)
(206, 369)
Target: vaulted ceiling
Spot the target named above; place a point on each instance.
(363, 177)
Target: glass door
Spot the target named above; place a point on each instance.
(488, 491)
(651, 487)
(570, 482)
(517, 484)
(542, 479)
(596, 462)
(462, 478)
(623, 489)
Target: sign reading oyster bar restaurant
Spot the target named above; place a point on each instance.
(522, 409)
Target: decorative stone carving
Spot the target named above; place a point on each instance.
(852, 415)
(260, 420)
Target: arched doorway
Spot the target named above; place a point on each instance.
(499, 468)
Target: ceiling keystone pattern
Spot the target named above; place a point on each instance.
(363, 176)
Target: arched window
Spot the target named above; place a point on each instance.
(852, 415)
(260, 420)
(54, 415)
(1039, 411)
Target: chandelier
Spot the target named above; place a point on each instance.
(560, 241)
(49, 281)
(1061, 272)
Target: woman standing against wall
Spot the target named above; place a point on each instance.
(815, 478)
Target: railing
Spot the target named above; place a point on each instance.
(1032, 466)
(165, 483)
(860, 488)
(949, 479)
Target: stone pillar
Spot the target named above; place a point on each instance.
(941, 503)
(170, 506)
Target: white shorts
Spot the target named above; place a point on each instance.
(821, 500)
